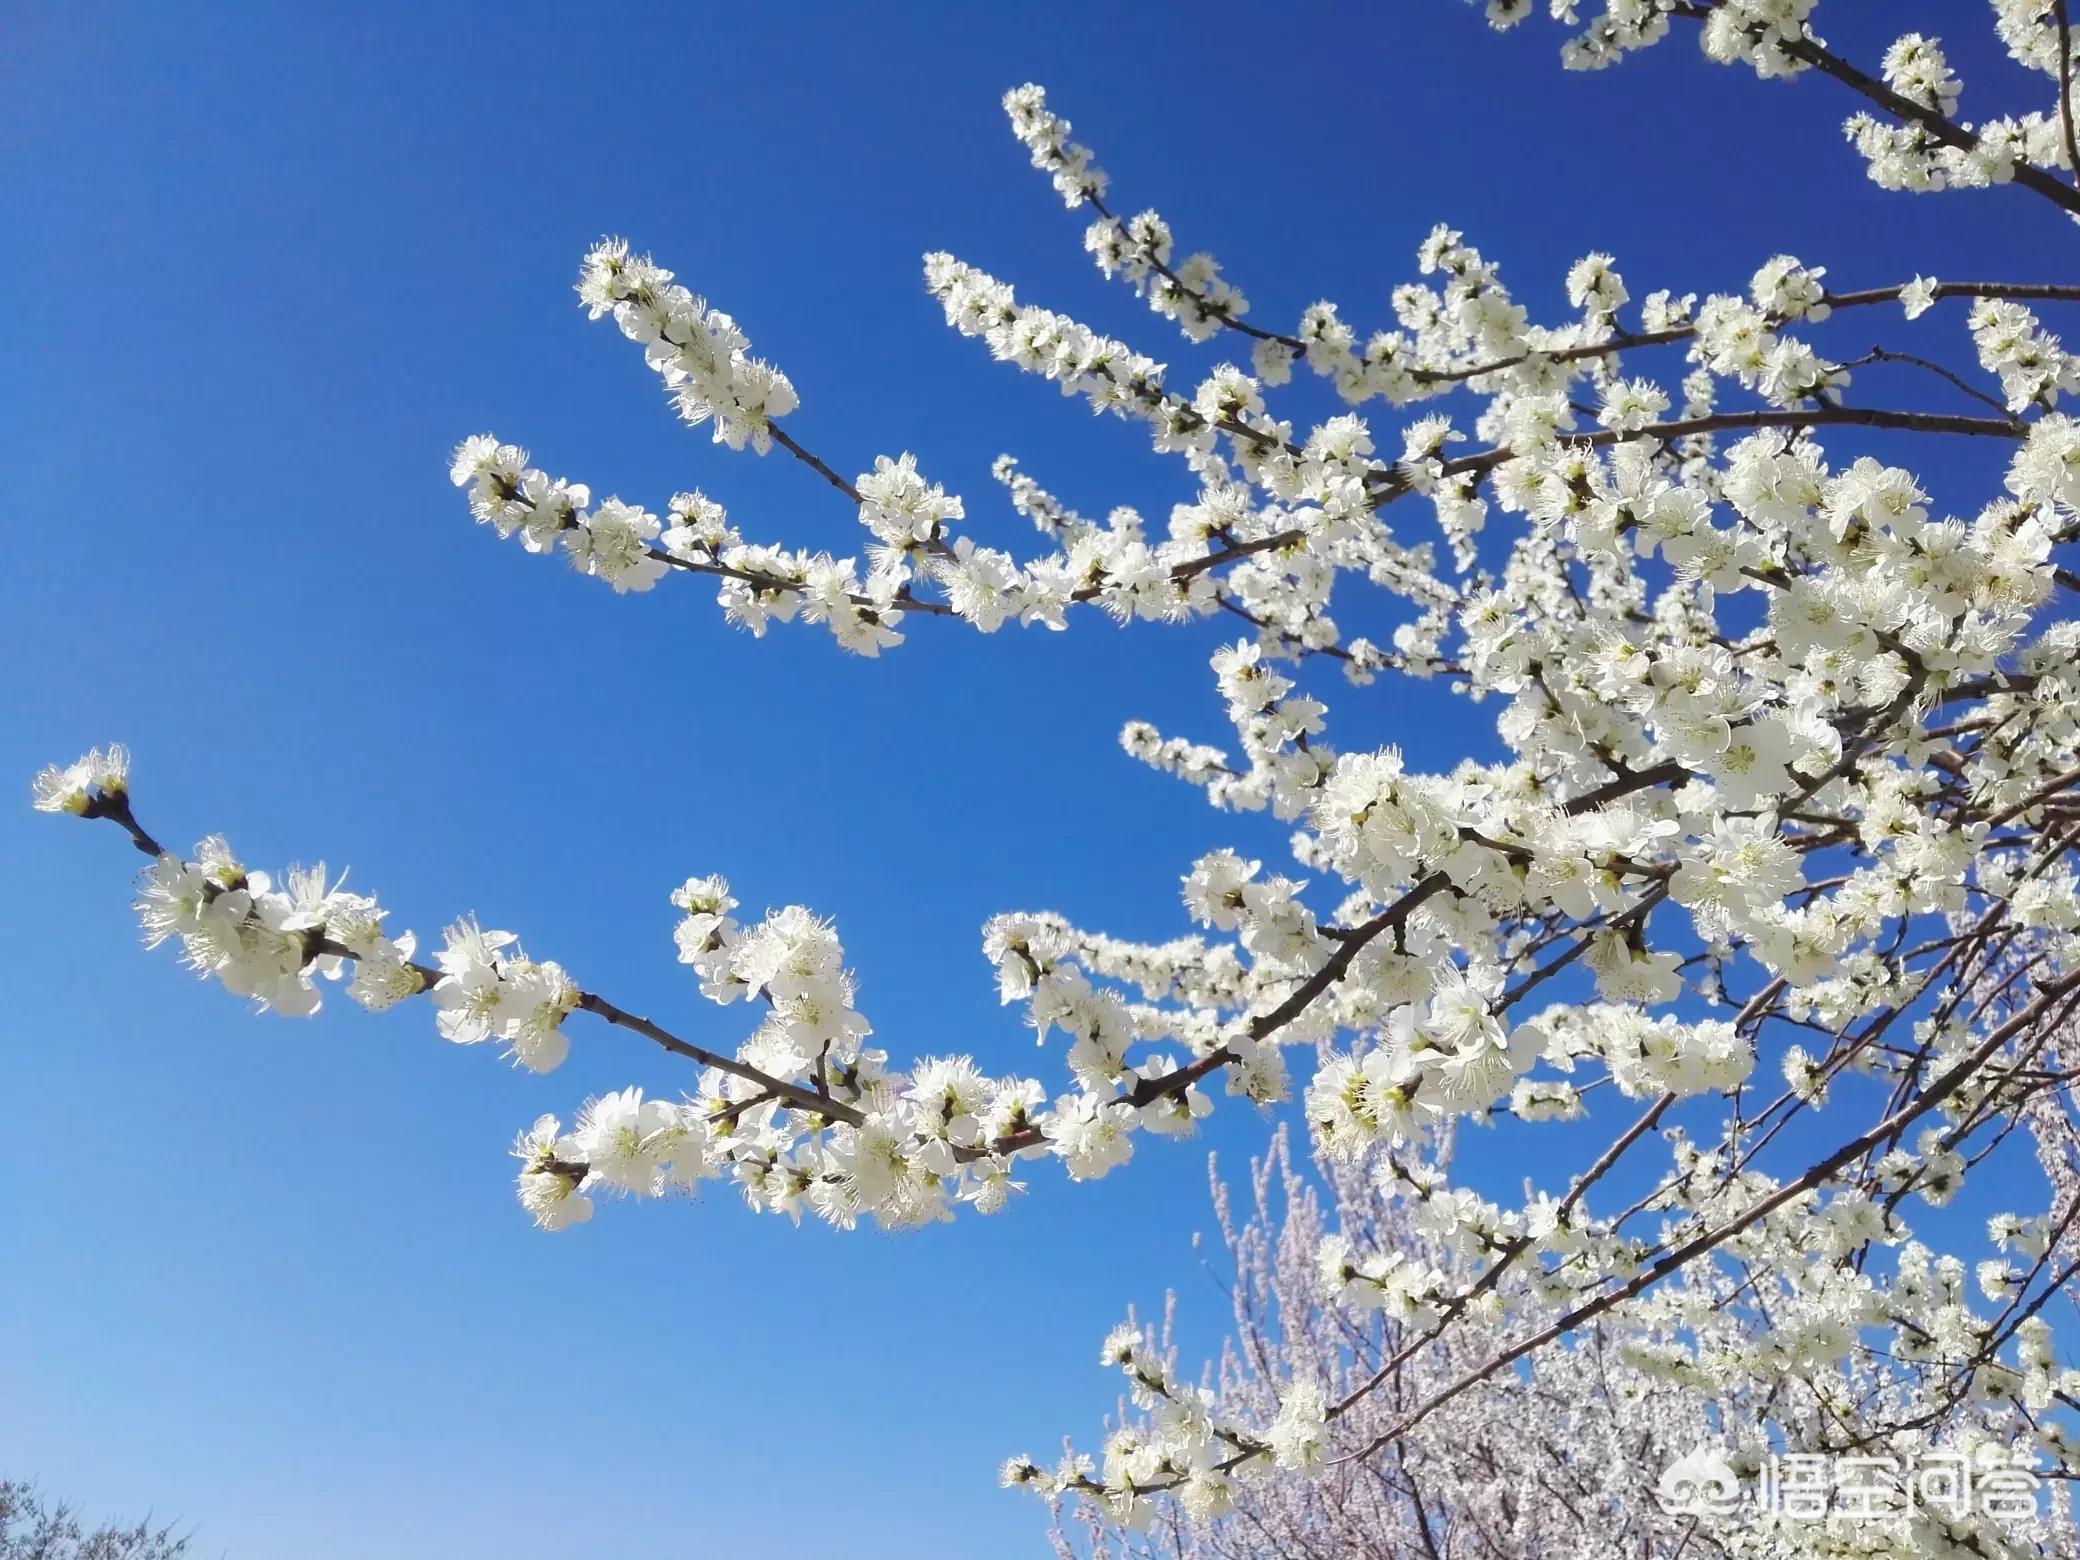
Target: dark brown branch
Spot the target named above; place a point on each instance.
(780, 437)
(792, 1094)
(1946, 131)
(2065, 86)
(1886, 355)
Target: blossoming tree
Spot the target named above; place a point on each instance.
(1791, 786)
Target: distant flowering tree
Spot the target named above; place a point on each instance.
(1562, 1460)
(1794, 780)
(32, 1528)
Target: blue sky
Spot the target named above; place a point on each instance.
(268, 265)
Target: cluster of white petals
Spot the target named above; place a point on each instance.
(1768, 876)
(702, 356)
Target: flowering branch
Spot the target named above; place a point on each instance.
(1782, 819)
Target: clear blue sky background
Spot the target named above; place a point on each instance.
(264, 266)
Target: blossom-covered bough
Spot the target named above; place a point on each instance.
(1794, 790)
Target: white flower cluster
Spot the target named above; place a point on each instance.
(1046, 136)
(1775, 829)
(811, 1118)
(490, 990)
(272, 943)
(804, 1116)
(273, 940)
(701, 354)
(2034, 370)
(899, 507)
(1191, 291)
(631, 550)
(1107, 373)
(614, 542)
(80, 786)
(1759, 33)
